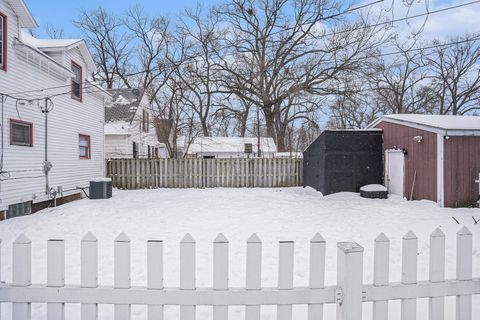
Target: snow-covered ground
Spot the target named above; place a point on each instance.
(274, 214)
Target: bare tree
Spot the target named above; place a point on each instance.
(54, 32)
(291, 53)
(355, 108)
(201, 31)
(109, 44)
(397, 80)
(150, 44)
(456, 72)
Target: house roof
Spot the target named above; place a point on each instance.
(123, 105)
(230, 144)
(25, 16)
(432, 122)
(53, 45)
(163, 128)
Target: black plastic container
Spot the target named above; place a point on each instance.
(344, 160)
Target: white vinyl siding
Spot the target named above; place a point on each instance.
(66, 121)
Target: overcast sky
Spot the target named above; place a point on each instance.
(61, 13)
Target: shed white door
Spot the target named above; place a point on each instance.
(395, 171)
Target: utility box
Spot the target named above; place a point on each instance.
(101, 188)
(344, 160)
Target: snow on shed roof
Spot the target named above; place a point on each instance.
(230, 144)
(444, 122)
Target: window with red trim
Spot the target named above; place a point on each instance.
(21, 133)
(77, 82)
(84, 149)
(3, 42)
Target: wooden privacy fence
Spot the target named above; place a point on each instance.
(205, 173)
(348, 294)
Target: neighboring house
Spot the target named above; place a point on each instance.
(288, 154)
(45, 156)
(434, 157)
(130, 129)
(230, 147)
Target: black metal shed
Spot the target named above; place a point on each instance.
(344, 160)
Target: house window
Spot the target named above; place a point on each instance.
(84, 148)
(77, 82)
(135, 150)
(146, 121)
(3, 42)
(21, 133)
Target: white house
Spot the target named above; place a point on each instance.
(52, 117)
(231, 147)
(130, 128)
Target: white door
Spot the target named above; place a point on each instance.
(395, 171)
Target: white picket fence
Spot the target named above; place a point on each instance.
(348, 294)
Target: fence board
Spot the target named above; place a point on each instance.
(317, 274)
(155, 275)
(381, 274)
(437, 272)
(464, 272)
(121, 273)
(89, 273)
(55, 276)
(187, 274)
(409, 273)
(285, 277)
(254, 274)
(22, 274)
(220, 274)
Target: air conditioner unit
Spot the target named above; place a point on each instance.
(101, 188)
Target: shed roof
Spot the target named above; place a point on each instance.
(434, 122)
(230, 144)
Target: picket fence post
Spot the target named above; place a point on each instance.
(55, 276)
(220, 273)
(437, 273)
(349, 280)
(381, 274)
(464, 272)
(155, 275)
(22, 274)
(187, 273)
(409, 273)
(285, 276)
(317, 273)
(121, 273)
(89, 273)
(254, 273)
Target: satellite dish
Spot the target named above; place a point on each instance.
(136, 92)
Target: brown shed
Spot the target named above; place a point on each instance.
(433, 157)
